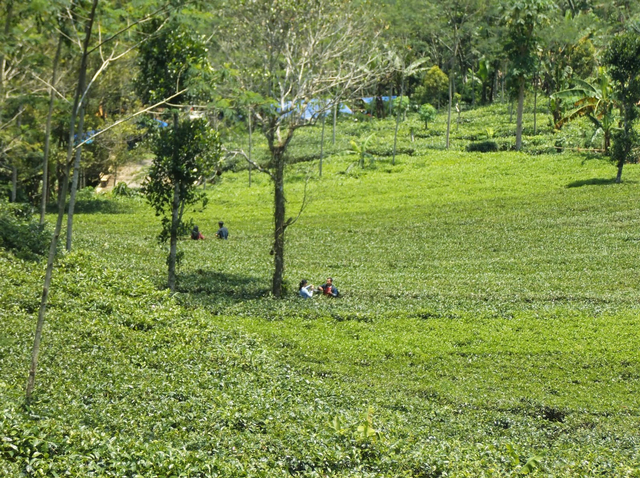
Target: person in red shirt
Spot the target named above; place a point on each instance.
(328, 288)
(196, 234)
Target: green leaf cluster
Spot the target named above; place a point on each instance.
(185, 153)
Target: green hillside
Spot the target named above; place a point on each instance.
(487, 324)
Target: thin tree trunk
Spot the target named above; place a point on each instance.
(335, 120)
(280, 225)
(321, 147)
(47, 132)
(250, 143)
(535, 104)
(175, 211)
(390, 100)
(3, 60)
(14, 168)
(173, 243)
(14, 182)
(519, 117)
(395, 134)
(74, 181)
(61, 201)
(494, 87)
(449, 112)
(619, 175)
(473, 88)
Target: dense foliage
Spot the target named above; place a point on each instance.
(551, 45)
(21, 233)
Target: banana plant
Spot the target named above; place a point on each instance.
(362, 150)
(593, 100)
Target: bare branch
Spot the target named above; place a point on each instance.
(137, 113)
(109, 60)
(49, 85)
(7, 123)
(128, 27)
(306, 200)
(232, 153)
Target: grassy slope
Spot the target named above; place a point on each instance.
(488, 315)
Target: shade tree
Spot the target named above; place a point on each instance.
(292, 54)
(623, 60)
(173, 63)
(523, 19)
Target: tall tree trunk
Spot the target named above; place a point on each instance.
(250, 143)
(175, 212)
(280, 224)
(47, 132)
(335, 120)
(74, 181)
(619, 175)
(61, 201)
(3, 60)
(535, 104)
(449, 111)
(519, 117)
(321, 147)
(173, 241)
(494, 85)
(14, 182)
(14, 168)
(395, 134)
(473, 88)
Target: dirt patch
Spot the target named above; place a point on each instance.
(131, 173)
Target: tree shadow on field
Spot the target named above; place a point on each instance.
(591, 182)
(217, 286)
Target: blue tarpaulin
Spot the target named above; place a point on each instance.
(314, 107)
(86, 136)
(370, 99)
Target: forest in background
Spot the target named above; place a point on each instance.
(465, 42)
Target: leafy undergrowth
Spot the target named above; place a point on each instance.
(134, 384)
(487, 326)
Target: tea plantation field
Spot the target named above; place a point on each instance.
(488, 326)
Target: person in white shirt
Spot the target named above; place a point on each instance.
(305, 290)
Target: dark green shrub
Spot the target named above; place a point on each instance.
(483, 147)
(88, 202)
(20, 233)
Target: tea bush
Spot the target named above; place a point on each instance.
(483, 147)
(22, 234)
